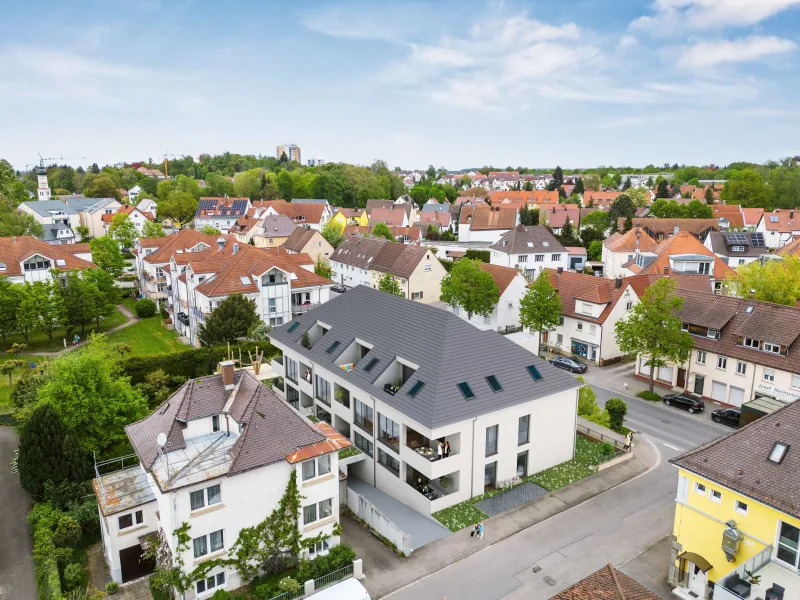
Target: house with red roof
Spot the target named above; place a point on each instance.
(779, 227)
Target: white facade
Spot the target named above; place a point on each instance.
(467, 234)
(55, 213)
(147, 205)
(775, 239)
(730, 258)
(43, 187)
(530, 264)
(613, 261)
(506, 313)
(349, 275)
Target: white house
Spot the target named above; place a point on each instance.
(486, 223)
(148, 205)
(365, 372)
(530, 249)
(58, 220)
(92, 210)
(512, 285)
(220, 213)
(136, 216)
(217, 456)
(621, 248)
(133, 194)
(26, 259)
(739, 248)
(778, 227)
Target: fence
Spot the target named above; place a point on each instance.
(326, 580)
(752, 564)
(354, 569)
(375, 519)
(509, 329)
(601, 434)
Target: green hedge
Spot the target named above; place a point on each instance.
(192, 362)
(42, 519)
(339, 557)
(481, 255)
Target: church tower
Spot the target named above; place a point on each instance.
(44, 187)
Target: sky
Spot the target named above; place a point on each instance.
(459, 84)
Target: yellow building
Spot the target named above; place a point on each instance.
(737, 513)
(350, 216)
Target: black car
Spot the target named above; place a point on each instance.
(339, 288)
(685, 401)
(727, 416)
(570, 364)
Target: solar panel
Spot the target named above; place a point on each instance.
(757, 240)
(736, 239)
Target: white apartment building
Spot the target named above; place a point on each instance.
(364, 371)
(220, 213)
(512, 285)
(779, 227)
(737, 248)
(92, 211)
(24, 259)
(530, 249)
(217, 455)
(483, 223)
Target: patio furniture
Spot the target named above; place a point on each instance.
(425, 451)
(738, 585)
(775, 592)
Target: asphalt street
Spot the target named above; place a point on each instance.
(614, 527)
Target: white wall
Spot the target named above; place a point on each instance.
(529, 262)
(349, 275)
(613, 261)
(506, 313)
(116, 539)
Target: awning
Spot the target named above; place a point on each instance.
(698, 561)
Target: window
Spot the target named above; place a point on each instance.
(737, 248)
(778, 452)
(751, 343)
(216, 540)
(522, 464)
(205, 497)
(310, 513)
(291, 369)
(491, 440)
(716, 496)
(126, 521)
(325, 509)
(363, 444)
(740, 507)
(210, 582)
(363, 416)
(324, 464)
(523, 430)
(389, 432)
(586, 308)
(559, 338)
(294, 326)
(629, 305)
(796, 381)
(201, 544)
(769, 374)
(494, 384)
(580, 326)
(722, 362)
(712, 333)
(371, 364)
(701, 357)
(309, 469)
(741, 368)
(773, 348)
(523, 258)
(36, 263)
(319, 547)
(788, 540)
(323, 389)
(416, 389)
(534, 373)
(700, 488)
(539, 258)
(704, 268)
(416, 295)
(389, 462)
(271, 304)
(555, 257)
(466, 390)
(215, 423)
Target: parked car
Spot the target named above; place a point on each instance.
(727, 416)
(339, 288)
(685, 401)
(570, 364)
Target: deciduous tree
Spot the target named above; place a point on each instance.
(332, 232)
(540, 308)
(387, 283)
(107, 255)
(152, 229)
(776, 281)
(123, 230)
(209, 230)
(382, 230)
(231, 320)
(322, 267)
(470, 288)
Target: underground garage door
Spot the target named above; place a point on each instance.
(718, 390)
(133, 565)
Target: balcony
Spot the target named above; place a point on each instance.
(299, 309)
(341, 395)
(183, 318)
(277, 366)
(774, 580)
(433, 489)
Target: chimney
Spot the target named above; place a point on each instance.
(235, 248)
(617, 283)
(752, 295)
(15, 239)
(226, 368)
(675, 230)
(220, 243)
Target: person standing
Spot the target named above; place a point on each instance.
(480, 531)
(446, 449)
(440, 451)
(628, 441)
(474, 531)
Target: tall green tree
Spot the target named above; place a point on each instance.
(540, 308)
(284, 184)
(595, 250)
(332, 232)
(13, 223)
(9, 306)
(652, 329)
(622, 207)
(662, 191)
(470, 288)
(209, 230)
(776, 281)
(709, 195)
(123, 230)
(382, 230)
(747, 187)
(152, 229)
(322, 267)
(558, 177)
(178, 206)
(107, 255)
(45, 296)
(579, 187)
(231, 320)
(387, 283)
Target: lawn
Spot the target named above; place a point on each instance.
(5, 391)
(588, 455)
(39, 342)
(148, 337)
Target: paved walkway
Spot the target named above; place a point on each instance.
(99, 576)
(522, 494)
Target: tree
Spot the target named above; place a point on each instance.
(599, 220)
(78, 295)
(709, 195)
(102, 304)
(528, 216)
(639, 196)
(49, 307)
(595, 250)
(8, 367)
(209, 230)
(123, 230)
(698, 210)
(776, 281)
(567, 235)
(230, 321)
(107, 255)
(747, 188)
(145, 308)
(48, 453)
(152, 229)
(579, 188)
(558, 177)
(284, 184)
(9, 306)
(332, 232)
(627, 185)
(652, 328)
(540, 308)
(628, 225)
(382, 230)
(92, 396)
(13, 223)
(617, 409)
(322, 267)
(82, 231)
(471, 288)
(663, 189)
(622, 207)
(387, 283)
(100, 187)
(178, 206)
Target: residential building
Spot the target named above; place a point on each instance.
(405, 235)
(363, 261)
(790, 248)
(621, 248)
(133, 194)
(608, 583)
(220, 213)
(511, 285)
(26, 259)
(485, 223)
(218, 455)
(509, 414)
(439, 219)
(577, 258)
(56, 218)
(350, 216)
(661, 229)
(148, 205)
(556, 216)
(310, 242)
(601, 200)
(742, 349)
(729, 216)
(389, 216)
(532, 197)
(152, 173)
(403, 203)
(327, 209)
(531, 249)
(316, 162)
(304, 214)
(737, 518)
(737, 249)
(291, 151)
(91, 212)
(778, 227)
(136, 216)
(271, 231)
(752, 216)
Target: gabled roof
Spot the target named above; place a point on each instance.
(781, 220)
(382, 320)
(298, 239)
(89, 205)
(527, 197)
(590, 196)
(14, 250)
(275, 226)
(752, 216)
(502, 276)
(299, 212)
(682, 243)
(723, 243)
(607, 583)
(597, 290)
(527, 239)
(178, 243)
(792, 247)
(435, 218)
(387, 216)
(486, 218)
(558, 214)
(43, 207)
(627, 242)
(380, 254)
(696, 227)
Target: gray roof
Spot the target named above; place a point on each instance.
(310, 200)
(51, 232)
(439, 208)
(88, 204)
(526, 239)
(299, 238)
(449, 351)
(720, 245)
(278, 226)
(43, 207)
(380, 254)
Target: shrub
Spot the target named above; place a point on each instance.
(145, 308)
(156, 591)
(112, 587)
(290, 586)
(75, 576)
(607, 449)
(305, 341)
(221, 595)
(481, 255)
(617, 409)
(67, 533)
(340, 556)
(648, 395)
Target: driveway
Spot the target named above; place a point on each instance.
(16, 551)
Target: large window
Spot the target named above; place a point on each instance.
(788, 538)
(36, 263)
(291, 369)
(363, 416)
(523, 430)
(363, 443)
(323, 390)
(126, 521)
(318, 511)
(491, 440)
(522, 464)
(389, 432)
(208, 543)
(316, 467)
(210, 582)
(205, 497)
(389, 462)
(490, 475)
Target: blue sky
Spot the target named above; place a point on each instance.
(456, 84)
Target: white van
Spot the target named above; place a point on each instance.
(349, 589)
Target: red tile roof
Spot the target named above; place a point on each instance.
(607, 583)
(682, 243)
(787, 220)
(627, 242)
(14, 250)
(528, 197)
(488, 217)
(335, 442)
(502, 276)
(577, 286)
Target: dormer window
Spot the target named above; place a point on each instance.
(737, 248)
(751, 343)
(215, 424)
(773, 348)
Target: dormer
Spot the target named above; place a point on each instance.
(589, 309)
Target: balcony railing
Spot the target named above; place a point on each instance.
(298, 309)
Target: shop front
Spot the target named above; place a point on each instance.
(585, 350)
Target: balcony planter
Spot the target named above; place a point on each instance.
(389, 389)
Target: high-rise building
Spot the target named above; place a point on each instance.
(316, 162)
(291, 151)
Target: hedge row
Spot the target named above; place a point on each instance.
(192, 362)
(45, 554)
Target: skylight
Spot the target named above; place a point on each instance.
(294, 326)
(416, 388)
(494, 384)
(60, 262)
(749, 309)
(371, 364)
(466, 390)
(333, 347)
(778, 452)
(546, 244)
(530, 244)
(245, 280)
(534, 373)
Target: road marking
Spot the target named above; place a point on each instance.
(673, 447)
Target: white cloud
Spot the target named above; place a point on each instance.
(675, 16)
(710, 54)
(387, 22)
(627, 41)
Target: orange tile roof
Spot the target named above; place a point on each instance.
(788, 220)
(502, 276)
(607, 583)
(578, 286)
(14, 250)
(299, 212)
(529, 197)
(387, 216)
(682, 243)
(557, 214)
(731, 212)
(335, 442)
(626, 242)
(792, 247)
(183, 241)
(488, 217)
(599, 197)
(752, 216)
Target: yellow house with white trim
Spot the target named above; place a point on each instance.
(351, 216)
(737, 515)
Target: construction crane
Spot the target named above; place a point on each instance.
(42, 159)
(166, 161)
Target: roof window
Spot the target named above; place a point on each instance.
(466, 390)
(494, 384)
(60, 262)
(332, 348)
(534, 373)
(416, 388)
(245, 280)
(371, 364)
(294, 326)
(778, 452)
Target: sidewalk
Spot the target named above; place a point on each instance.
(126, 313)
(457, 546)
(615, 377)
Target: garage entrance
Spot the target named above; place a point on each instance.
(133, 565)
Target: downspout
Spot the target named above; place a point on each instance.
(472, 466)
(375, 444)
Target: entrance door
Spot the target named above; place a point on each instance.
(132, 564)
(697, 579)
(699, 384)
(681, 378)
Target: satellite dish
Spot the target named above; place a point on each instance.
(161, 440)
